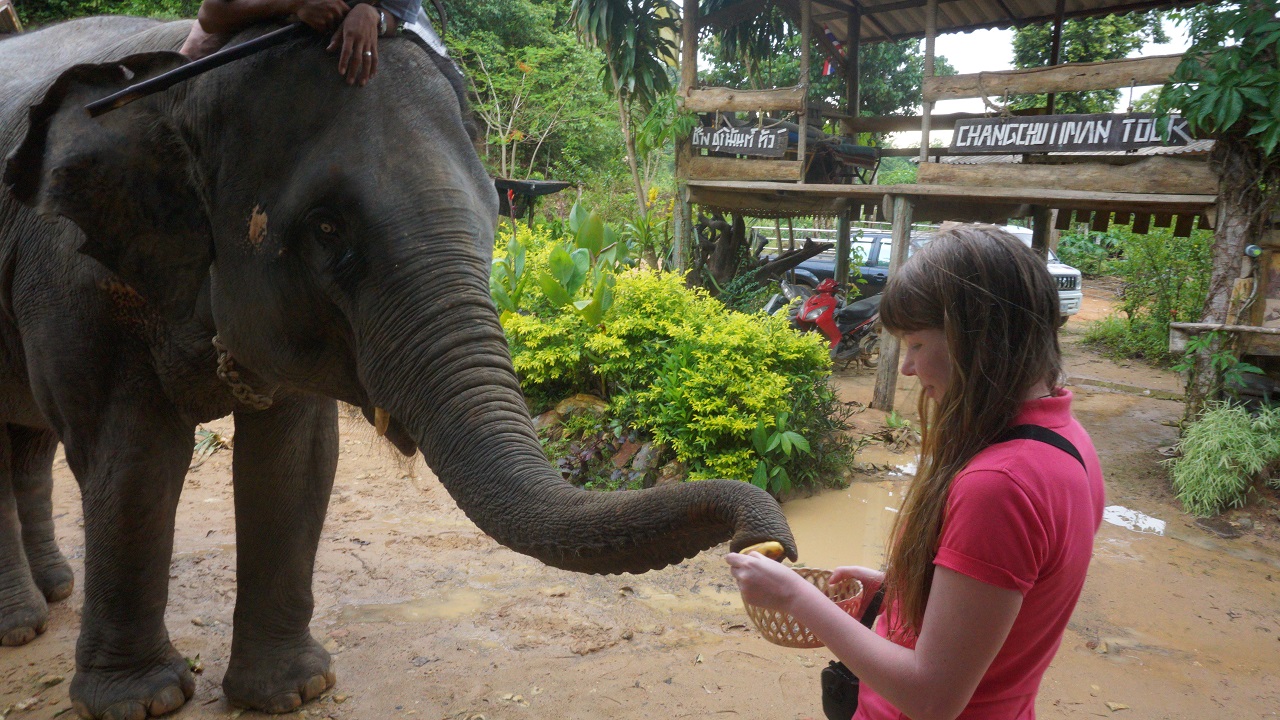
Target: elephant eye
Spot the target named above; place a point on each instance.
(328, 228)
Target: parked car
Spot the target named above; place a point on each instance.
(870, 253)
(872, 250)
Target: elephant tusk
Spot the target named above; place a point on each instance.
(381, 419)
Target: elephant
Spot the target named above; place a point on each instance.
(262, 241)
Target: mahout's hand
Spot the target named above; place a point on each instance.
(764, 582)
(321, 15)
(358, 38)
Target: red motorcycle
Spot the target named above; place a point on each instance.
(852, 328)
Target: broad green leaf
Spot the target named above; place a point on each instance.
(553, 290)
(798, 440)
(577, 214)
(786, 443)
(590, 235)
(761, 478)
(562, 267)
(581, 260)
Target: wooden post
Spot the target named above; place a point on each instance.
(678, 224)
(887, 372)
(689, 47)
(852, 87)
(1055, 48)
(842, 250)
(1040, 224)
(930, 35)
(806, 39)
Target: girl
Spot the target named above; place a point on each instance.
(990, 549)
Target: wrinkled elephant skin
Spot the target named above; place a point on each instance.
(336, 242)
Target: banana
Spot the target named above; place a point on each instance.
(770, 549)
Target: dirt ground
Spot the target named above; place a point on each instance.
(428, 618)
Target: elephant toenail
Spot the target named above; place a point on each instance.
(60, 592)
(167, 700)
(129, 710)
(316, 685)
(283, 703)
(187, 681)
(82, 710)
(18, 636)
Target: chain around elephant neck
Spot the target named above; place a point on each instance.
(243, 391)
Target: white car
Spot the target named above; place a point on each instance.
(1067, 278)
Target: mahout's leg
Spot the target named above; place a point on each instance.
(284, 463)
(23, 611)
(129, 449)
(33, 450)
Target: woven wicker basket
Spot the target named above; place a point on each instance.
(782, 629)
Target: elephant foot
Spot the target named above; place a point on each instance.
(24, 614)
(277, 678)
(133, 693)
(54, 577)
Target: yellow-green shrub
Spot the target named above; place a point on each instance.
(675, 363)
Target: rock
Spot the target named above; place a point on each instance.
(1115, 706)
(1245, 523)
(1218, 526)
(548, 419)
(25, 705)
(581, 403)
(645, 457)
(50, 680)
(624, 454)
(199, 622)
(339, 699)
(557, 591)
(672, 472)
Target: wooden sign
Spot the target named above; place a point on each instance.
(1066, 133)
(765, 142)
(9, 22)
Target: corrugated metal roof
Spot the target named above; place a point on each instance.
(899, 19)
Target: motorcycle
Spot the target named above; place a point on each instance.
(853, 328)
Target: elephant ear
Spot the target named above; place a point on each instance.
(125, 178)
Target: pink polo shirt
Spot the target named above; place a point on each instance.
(1022, 516)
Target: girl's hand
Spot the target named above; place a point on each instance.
(358, 38)
(871, 581)
(764, 582)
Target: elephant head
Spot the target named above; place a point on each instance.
(343, 237)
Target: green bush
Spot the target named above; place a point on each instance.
(41, 12)
(677, 365)
(1091, 253)
(1222, 455)
(1164, 279)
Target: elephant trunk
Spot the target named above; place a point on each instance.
(444, 373)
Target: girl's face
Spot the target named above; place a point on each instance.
(927, 358)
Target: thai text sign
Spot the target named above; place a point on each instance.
(768, 142)
(1066, 133)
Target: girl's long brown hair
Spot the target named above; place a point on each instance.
(998, 306)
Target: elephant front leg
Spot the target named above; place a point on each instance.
(284, 463)
(130, 463)
(23, 612)
(33, 452)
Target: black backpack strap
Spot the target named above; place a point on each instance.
(1039, 433)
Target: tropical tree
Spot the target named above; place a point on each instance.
(1228, 86)
(1084, 40)
(41, 12)
(638, 40)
